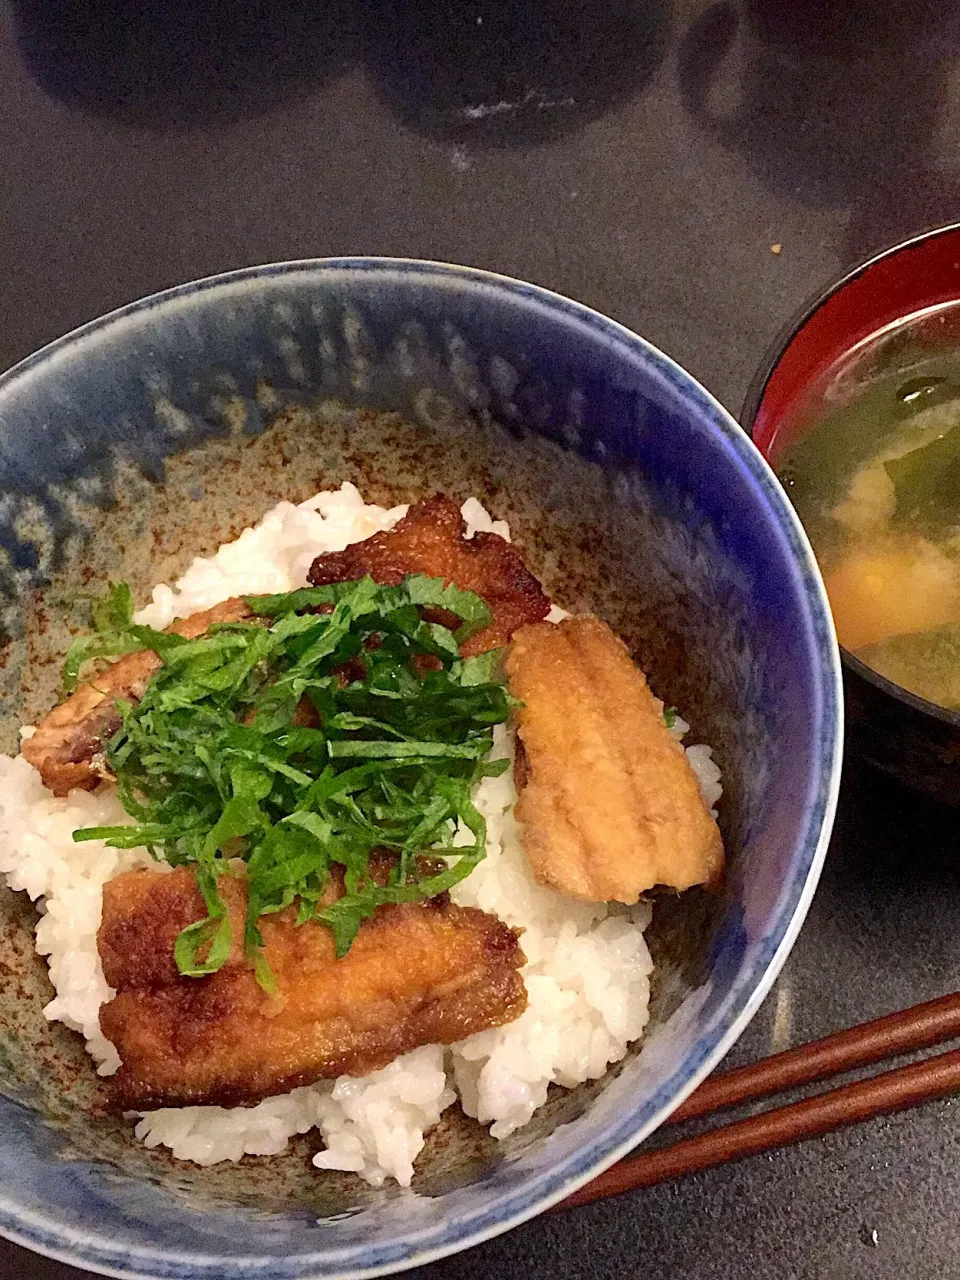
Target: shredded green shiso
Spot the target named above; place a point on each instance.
(212, 767)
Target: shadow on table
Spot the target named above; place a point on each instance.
(491, 73)
(180, 64)
(893, 872)
(513, 72)
(890, 835)
(839, 104)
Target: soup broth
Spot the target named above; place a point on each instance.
(874, 472)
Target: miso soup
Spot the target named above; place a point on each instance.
(874, 472)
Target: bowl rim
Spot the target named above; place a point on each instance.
(753, 399)
(41, 1232)
(785, 335)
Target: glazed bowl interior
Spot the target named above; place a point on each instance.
(866, 325)
(163, 430)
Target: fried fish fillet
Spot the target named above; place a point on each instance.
(430, 540)
(610, 807)
(66, 748)
(420, 973)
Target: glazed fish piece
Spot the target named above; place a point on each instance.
(67, 747)
(420, 973)
(430, 540)
(609, 806)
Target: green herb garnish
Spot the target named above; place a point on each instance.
(116, 633)
(218, 760)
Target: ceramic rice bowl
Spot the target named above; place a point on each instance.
(161, 431)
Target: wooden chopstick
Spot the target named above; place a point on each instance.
(920, 1027)
(890, 1091)
(897, 1090)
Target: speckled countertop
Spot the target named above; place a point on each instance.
(642, 156)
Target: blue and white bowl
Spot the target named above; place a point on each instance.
(151, 435)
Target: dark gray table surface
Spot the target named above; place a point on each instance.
(642, 156)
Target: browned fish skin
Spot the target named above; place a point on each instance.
(610, 806)
(421, 973)
(430, 540)
(66, 747)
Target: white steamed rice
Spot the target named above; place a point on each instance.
(587, 972)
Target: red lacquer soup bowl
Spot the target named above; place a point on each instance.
(821, 357)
